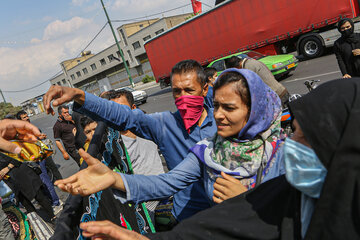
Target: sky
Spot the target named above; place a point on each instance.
(36, 35)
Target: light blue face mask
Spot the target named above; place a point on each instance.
(304, 170)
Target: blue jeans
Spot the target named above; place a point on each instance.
(48, 184)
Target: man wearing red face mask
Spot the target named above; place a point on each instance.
(174, 133)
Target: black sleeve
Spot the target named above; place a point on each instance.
(267, 212)
(57, 132)
(340, 59)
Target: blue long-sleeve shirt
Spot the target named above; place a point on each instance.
(141, 188)
(167, 130)
(209, 97)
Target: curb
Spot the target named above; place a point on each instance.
(146, 85)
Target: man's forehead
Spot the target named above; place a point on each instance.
(185, 78)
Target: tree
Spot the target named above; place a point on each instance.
(8, 108)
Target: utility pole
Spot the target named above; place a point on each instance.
(2, 96)
(117, 44)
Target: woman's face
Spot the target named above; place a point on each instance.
(298, 135)
(229, 111)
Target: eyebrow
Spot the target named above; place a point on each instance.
(225, 104)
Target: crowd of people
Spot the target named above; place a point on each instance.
(231, 172)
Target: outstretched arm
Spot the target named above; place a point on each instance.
(94, 178)
(139, 188)
(115, 115)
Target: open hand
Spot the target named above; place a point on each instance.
(100, 230)
(94, 178)
(61, 95)
(356, 52)
(227, 187)
(11, 129)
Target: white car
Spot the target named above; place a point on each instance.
(139, 95)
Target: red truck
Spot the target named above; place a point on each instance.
(269, 26)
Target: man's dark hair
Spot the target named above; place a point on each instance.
(61, 107)
(232, 62)
(190, 66)
(19, 113)
(209, 72)
(84, 121)
(119, 93)
(9, 116)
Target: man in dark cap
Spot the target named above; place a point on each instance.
(347, 49)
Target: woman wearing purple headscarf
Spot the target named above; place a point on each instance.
(243, 152)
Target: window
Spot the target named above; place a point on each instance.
(160, 31)
(146, 38)
(85, 71)
(102, 62)
(78, 61)
(130, 56)
(78, 74)
(123, 36)
(136, 45)
(93, 66)
(64, 82)
(72, 76)
(59, 83)
(111, 57)
(141, 25)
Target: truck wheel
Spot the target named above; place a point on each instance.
(311, 47)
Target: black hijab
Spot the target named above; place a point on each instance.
(330, 119)
(351, 38)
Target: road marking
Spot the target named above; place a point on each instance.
(314, 76)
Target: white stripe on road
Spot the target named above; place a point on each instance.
(314, 76)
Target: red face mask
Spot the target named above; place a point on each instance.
(190, 108)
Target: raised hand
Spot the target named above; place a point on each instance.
(100, 230)
(94, 178)
(62, 95)
(11, 129)
(227, 187)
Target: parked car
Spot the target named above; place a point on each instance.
(279, 65)
(139, 95)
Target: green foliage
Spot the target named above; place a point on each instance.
(147, 79)
(8, 108)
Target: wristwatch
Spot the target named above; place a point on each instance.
(9, 168)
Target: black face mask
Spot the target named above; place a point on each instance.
(347, 33)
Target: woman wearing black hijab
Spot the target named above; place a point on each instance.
(318, 199)
(347, 49)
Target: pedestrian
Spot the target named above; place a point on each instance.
(211, 75)
(65, 130)
(50, 190)
(143, 153)
(347, 49)
(263, 71)
(174, 133)
(24, 181)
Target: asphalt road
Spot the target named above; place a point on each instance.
(324, 68)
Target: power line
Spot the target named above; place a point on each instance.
(37, 85)
(155, 14)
